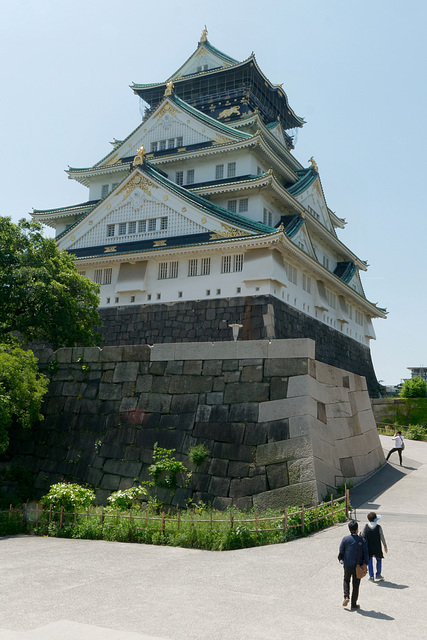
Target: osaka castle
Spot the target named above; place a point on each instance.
(202, 218)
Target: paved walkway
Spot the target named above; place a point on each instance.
(53, 589)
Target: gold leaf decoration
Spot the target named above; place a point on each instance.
(227, 231)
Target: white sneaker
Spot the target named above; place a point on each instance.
(380, 578)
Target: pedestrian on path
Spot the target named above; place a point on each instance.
(374, 537)
(399, 445)
(353, 551)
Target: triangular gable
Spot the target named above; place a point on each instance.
(145, 195)
(174, 121)
(204, 58)
(308, 191)
(302, 239)
(275, 128)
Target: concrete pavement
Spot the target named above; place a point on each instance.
(55, 589)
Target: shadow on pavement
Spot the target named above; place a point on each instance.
(374, 614)
(373, 487)
(391, 585)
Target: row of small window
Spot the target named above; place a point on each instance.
(162, 145)
(136, 226)
(107, 188)
(231, 171)
(159, 296)
(201, 266)
(179, 177)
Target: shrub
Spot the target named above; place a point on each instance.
(416, 432)
(198, 454)
(127, 498)
(68, 496)
(165, 468)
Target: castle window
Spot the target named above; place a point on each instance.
(97, 276)
(159, 295)
(116, 300)
(218, 292)
(132, 227)
(179, 177)
(208, 292)
(232, 206)
(226, 264)
(306, 283)
(107, 276)
(268, 217)
(219, 172)
(110, 230)
(359, 318)
(152, 224)
(153, 147)
(332, 299)
(162, 145)
(243, 205)
(142, 226)
(190, 176)
(132, 298)
(122, 229)
(205, 266)
(179, 142)
(238, 289)
(168, 270)
(148, 296)
(231, 169)
(238, 262)
(163, 271)
(291, 272)
(108, 300)
(173, 269)
(192, 267)
(163, 223)
(171, 143)
(326, 262)
(179, 294)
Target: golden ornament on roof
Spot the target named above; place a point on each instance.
(169, 88)
(204, 35)
(314, 164)
(139, 158)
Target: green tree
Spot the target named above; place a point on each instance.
(414, 388)
(43, 298)
(22, 389)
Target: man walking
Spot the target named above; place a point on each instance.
(353, 551)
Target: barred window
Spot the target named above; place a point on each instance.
(153, 147)
(163, 270)
(162, 145)
(132, 227)
(243, 205)
(291, 272)
(163, 223)
(107, 276)
(306, 283)
(219, 172)
(238, 262)
(152, 224)
(122, 229)
(232, 206)
(111, 228)
(104, 190)
(226, 264)
(171, 143)
(332, 299)
(97, 276)
(190, 176)
(173, 269)
(179, 142)
(359, 318)
(192, 267)
(268, 217)
(231, 169)
(179, 177)
(205, 266)
(142, 226)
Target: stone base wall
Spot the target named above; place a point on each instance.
(281, 427)
(262, 317)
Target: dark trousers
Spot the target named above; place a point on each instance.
(350, 572)
(399, 451)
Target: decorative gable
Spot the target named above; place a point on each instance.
(204, 58)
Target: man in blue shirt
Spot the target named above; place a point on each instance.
(353, 551)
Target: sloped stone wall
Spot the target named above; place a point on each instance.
(281, 427)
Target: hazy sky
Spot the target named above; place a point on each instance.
(356, 72)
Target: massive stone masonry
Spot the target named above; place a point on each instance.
(281, 427)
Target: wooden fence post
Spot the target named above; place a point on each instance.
(102, 516)
(163, 523)
(75, 514)
(10, 512)
(285, 520)
(347, 500)
(231, 521)
(61, 516)
(302, 518)
(332, 507)
(50, 513)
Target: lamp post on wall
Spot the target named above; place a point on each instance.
(236, 328)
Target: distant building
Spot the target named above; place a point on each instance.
(418, 372)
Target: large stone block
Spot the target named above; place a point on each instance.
(231, 451)
(154, 402)
(240, 487)
(301, 470)
(220, 432)
(126, 372)
(110, 482)
(219, 486)
(136, 353)
(283, 451)
(277, 476)
(296, 494)
(286, 408)
(246, 392)
(123, 468)
(190, 384)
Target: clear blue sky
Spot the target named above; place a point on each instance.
(355, 71)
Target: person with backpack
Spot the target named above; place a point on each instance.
(399, 445)
(374, 537)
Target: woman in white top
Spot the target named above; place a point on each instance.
(398, 445)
